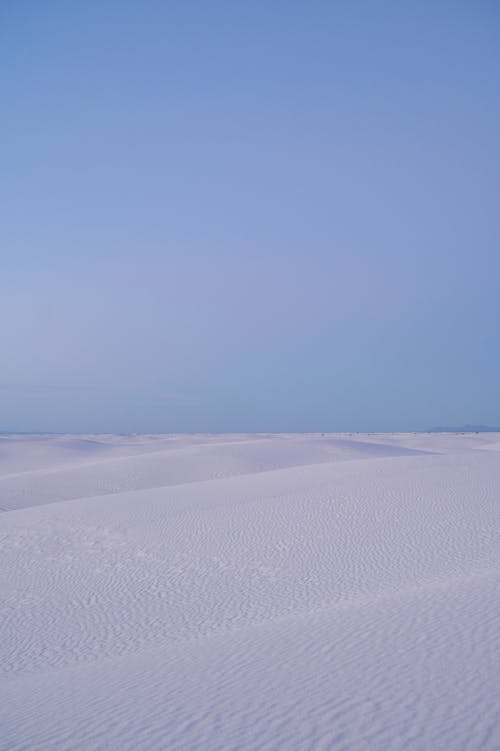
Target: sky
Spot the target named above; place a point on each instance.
(249, 216)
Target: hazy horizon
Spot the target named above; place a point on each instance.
(266, 217)
(457, 429)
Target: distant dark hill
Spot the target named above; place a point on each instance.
(467, 429)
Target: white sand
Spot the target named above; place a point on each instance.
(250, 592)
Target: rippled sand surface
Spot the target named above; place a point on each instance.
(250, 592)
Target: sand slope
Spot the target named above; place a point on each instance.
(248, 592)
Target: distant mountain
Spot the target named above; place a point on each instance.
(466, 429)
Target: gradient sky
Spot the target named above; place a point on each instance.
(249, 216)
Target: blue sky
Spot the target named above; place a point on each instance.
(266, 216)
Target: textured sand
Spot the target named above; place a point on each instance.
(250, 592)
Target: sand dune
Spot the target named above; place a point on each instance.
(64, 468)
(250, 592)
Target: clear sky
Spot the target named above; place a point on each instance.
(249, 216)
